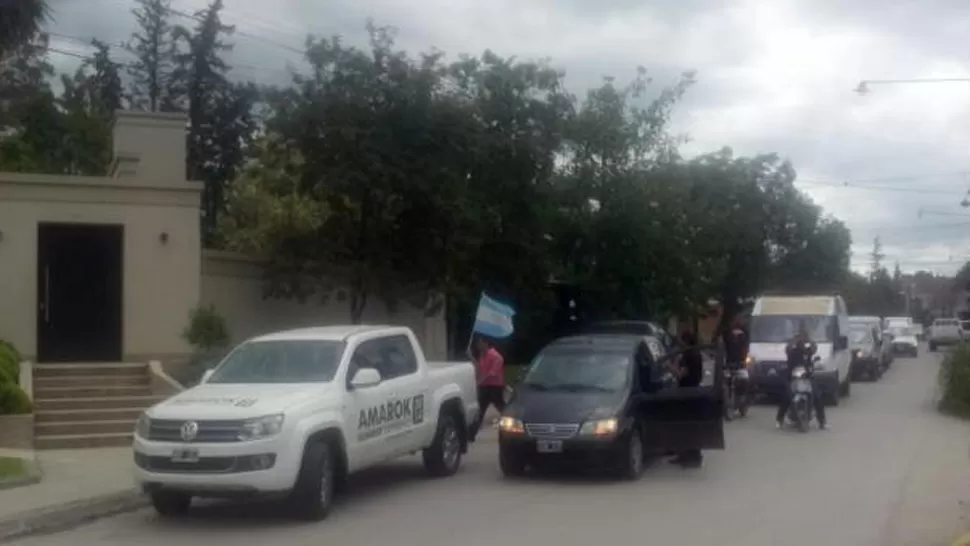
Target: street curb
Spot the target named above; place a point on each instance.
(65, 516)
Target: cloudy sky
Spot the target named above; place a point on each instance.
(773, 76)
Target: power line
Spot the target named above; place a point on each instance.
(853, 186)
(906, 178)
(911, 227)
(249, 35)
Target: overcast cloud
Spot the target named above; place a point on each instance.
(773, 76)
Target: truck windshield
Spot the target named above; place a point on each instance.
(579, 370)
(898, 331)
(283, 361)
(860, 336)
(782, 328)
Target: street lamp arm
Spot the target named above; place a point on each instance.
(863, 86)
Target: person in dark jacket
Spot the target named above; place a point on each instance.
(735, 345)
(689, 374)
(800, 352)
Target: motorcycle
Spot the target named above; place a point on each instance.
(737, 394)
(801, 410)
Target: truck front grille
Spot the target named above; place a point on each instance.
(558, 431)
(205, 465)
(217, 432)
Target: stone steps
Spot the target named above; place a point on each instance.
(41, 383)
(76, 441)
(62, 428)
(89, 405)
(88, 415)
(97, 402)
(106, 391)
(73, 370)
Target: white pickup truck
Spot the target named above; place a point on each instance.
(292, 414)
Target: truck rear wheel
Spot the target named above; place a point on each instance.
(171, 503)
(312, 497)
(444, 456)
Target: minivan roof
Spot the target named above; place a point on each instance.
(612, 342)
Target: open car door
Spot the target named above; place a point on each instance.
(681, 418)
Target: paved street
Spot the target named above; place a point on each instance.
(890, 473)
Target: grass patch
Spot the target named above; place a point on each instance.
(955, 382)
(12, 467)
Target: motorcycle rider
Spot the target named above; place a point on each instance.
(800, 351)
(735, 341)
(735, 345)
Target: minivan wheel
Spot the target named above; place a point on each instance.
(631, 467)
(511, 464)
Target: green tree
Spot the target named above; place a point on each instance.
(20, 21)
(88, 104)
(154, 47)
(221, 122)
(876, 257)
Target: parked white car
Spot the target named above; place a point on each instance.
(292, 414)
(904, 342)
(945, 331)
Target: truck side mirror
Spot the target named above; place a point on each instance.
(365, 377)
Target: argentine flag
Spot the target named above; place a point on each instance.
(493, 318)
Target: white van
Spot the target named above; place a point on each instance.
(775, 320)
(897, 322)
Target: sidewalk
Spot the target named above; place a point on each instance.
(77, 485)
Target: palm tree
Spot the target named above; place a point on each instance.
(20, 20)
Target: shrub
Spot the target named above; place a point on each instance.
(13, 400)
(207, 330)
(955, 381)
(190, 374)
(9, 363)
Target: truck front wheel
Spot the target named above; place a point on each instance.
(171, 503)
(444, 456)
(312, 497)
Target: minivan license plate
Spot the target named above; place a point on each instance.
(549, 446)
(185, 456)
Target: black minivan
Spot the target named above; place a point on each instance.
(600, 400)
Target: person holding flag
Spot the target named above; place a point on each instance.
(492, 320)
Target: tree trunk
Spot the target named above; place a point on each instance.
(358, 300)
(729, 309)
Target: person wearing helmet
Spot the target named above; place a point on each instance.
(800, 351)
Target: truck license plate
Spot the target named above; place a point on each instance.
(549, 446)
(185, 456)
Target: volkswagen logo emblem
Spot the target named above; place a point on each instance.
(190, 429)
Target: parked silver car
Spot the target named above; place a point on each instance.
(945, 331)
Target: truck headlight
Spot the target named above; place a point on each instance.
(143, 426)
(601, 427)
(261, 427)
(511, 425)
